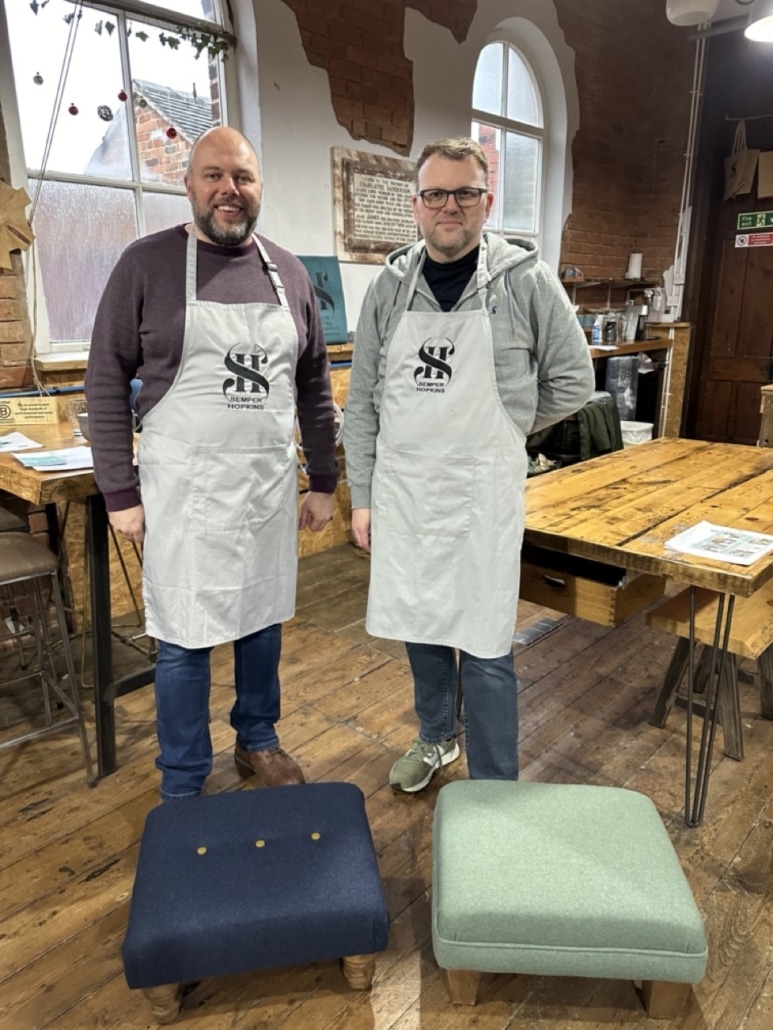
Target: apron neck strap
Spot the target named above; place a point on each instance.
(481, 272)
(421, 251)
(192, 259)
(190, 267)
(273, 274)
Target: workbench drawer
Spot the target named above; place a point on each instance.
(587, 589)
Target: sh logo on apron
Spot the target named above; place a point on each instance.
(435, 372)
(447, 497)
(218, 474)
(247, 387)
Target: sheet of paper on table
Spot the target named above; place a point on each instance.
(738, 546)
(65, 460)
(17, 442)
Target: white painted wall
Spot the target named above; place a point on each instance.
(298, 127)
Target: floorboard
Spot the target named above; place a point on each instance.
(68, 853)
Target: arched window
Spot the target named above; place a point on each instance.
(508, 121)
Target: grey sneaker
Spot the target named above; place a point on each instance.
(419, 764)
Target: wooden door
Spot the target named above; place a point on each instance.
(739, 357)
(729, 292)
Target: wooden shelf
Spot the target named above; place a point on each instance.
(629, 285)
(613, 284)
(633, 347)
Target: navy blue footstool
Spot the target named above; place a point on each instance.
(231, 883)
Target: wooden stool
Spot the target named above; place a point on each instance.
(10, 522)
(766, 421)
(231, 883)
(751, 636)
(24, 560)
(556, 879)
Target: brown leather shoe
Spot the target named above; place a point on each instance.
(274, 766)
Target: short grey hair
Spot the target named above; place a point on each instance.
(455, 149)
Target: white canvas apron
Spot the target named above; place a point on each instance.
(218, 474)
(447, 492)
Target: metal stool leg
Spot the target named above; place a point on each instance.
(70, 665)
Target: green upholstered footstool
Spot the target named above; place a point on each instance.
(562, 880)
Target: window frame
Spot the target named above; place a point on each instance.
(503, 124)
(540, 39)
(22, 176)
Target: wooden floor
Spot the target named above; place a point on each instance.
(68, 853)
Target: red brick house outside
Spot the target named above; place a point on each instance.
(168, 122)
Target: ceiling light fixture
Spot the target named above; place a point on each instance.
(690, 12)
(760, 27)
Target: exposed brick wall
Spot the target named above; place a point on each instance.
(360, 45)
(634, 77)
(15, 334)
(162, 159)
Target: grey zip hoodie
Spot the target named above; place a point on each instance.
(543, 369)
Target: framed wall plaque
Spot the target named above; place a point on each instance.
(372, 196)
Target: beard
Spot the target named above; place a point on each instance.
(228, 235)
(452, 246)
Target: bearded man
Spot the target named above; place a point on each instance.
(222, 328)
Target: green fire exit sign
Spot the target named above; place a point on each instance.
(756, 220)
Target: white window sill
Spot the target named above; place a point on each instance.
(62, 361)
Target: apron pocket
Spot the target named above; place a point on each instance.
(238, 488)
(426, 496)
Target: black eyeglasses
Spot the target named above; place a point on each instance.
(465, 196)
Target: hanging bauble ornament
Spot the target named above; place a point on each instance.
(37, 78)
(171, 132)
(123, 95)
(105, 113)
(72, 109)
(142, 102)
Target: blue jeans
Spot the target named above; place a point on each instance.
(490, 706)
(182, 707)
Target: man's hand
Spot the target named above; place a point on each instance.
(316, 511)
(361, 527)
(130, 522)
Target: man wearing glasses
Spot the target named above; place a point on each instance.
(466, 343)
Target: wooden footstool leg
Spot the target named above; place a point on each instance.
(463, 985)
(359, 970)
(671, 681)
(165, 1001)
(730, 709)
(664, 1000)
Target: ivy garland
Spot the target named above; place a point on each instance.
(214, 46)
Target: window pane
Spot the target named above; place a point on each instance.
(163, 210)
(81, 231)
(175, 100)
(489, 137)
(208, 9)
(38, 45)
(522, 183)
(487, 85)
(522, 100)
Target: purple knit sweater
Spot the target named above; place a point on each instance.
(138, 332)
